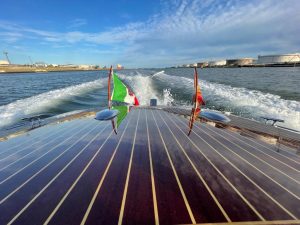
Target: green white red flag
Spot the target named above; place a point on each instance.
(122, 93)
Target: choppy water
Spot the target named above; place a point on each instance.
(248, 92)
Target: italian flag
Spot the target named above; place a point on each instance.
(122, 93)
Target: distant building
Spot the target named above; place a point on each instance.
(119, 67)
(40, 64)
(4, 62)
(202, 64)
(279, 59)
(217, 63)
(239, 62)
(193, 65)
(85, 67)
(69, 66)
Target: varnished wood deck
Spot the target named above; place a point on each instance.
(80, 172)
(244, 123)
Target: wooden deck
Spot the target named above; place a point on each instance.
(248, 124)
(80, 172)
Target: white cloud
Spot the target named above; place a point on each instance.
(10, 37)
(190, 30)
(79, 22)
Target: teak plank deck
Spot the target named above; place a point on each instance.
(151, 172)
(244, 123)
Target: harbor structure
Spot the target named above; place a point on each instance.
(6, 56)
(202, 64)
(69, 66)
(4, 62)
(193, 65)
(239, 62)
(86, 67)
(279, 59)
(40, 64)
(217, 63)
(120, 67)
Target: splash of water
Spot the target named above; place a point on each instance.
(168, 97)
(39, 103)
(143, 88)
(241, 101)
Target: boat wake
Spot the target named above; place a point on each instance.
(145, 89)
(167, 89)
(40, 104)
(239, 101)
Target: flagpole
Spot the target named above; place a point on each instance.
(108, 88)
(193, 112)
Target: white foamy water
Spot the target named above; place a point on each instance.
(167, 89)
(143, 88)
(253, 102)
(39, 103)
(167, 97)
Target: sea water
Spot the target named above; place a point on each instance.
(247, 92)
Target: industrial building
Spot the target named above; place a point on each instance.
(279, 59)
(85, 67)
(4, 62)
(217, 63)
(120, 67)
(202, 64)
(239, 62)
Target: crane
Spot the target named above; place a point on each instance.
(30, 60)
(6, 55)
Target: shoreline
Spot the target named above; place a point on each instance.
(249, 66)
(23, 69)
(26, 69)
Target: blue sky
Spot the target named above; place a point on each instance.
(144, 33)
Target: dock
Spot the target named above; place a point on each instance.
(151, 172)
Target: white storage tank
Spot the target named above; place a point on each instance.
(4, 62)
(239, 62)
(217, 63)
(279, 59)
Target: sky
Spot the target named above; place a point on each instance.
(146, 33)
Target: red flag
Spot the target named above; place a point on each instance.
(198, 101)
